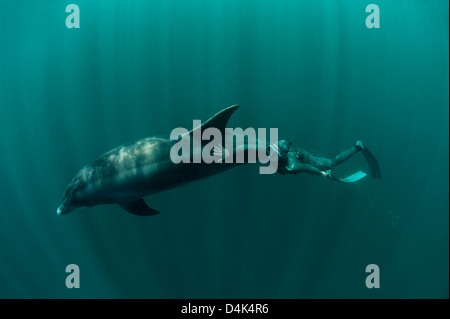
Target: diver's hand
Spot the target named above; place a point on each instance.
(327, 174)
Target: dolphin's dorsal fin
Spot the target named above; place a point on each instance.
(139, 207)
(219, 120)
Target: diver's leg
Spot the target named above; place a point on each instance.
(325, 163)
(345, 155)
(295, 168)
(306, 168)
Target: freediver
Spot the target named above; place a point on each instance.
(294, 160)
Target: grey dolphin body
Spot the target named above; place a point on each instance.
(129, 172)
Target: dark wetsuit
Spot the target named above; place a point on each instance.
(294, 160)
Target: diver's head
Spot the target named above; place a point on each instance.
(284, 146)
(281, 148)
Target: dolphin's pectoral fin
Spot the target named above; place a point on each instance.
(139, 207)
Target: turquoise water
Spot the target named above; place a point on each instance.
(312, 69)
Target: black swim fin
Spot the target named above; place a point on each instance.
(139, 207)
(373, 163)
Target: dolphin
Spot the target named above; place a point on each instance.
(134, 170)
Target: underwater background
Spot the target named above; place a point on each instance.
(311, 68)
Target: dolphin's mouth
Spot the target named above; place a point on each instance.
(63, 209)
(60, 209)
